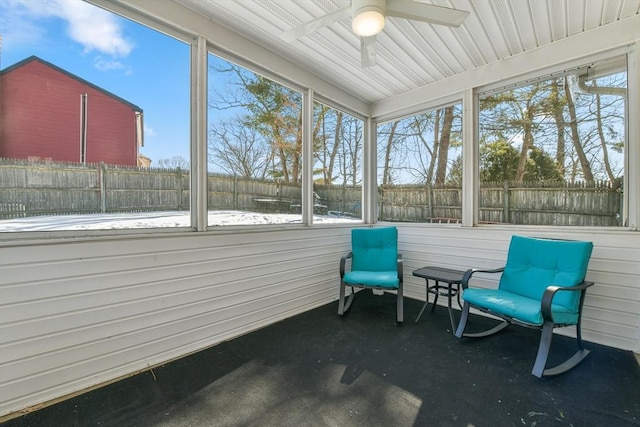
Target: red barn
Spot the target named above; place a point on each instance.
(49, 113)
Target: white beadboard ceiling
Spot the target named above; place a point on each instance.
(410, 54)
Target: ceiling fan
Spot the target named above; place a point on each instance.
(368, 18)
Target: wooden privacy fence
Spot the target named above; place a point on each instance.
(29, 188)
(72, 188)
(551, 203)
(35, 188)
(419, 203)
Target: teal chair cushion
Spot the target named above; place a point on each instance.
(517, 306)
(383, 279)
(533, 264)
(374, 249)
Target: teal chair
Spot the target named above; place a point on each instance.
(375, 264)
(542, 286)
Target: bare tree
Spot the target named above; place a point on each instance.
(443, 146)
(337, 145)
(274, 112)
(238, 150)
(353, 138)
(418, 148)
(557, 104)
(424, 151)
(585, 166)
(526, 120)
(386, 174)
(175, 162)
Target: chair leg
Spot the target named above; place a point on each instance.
(463, 323)
(400, 304)
(543, 353)
(463, 320)
(343, 306)
(579, 332)
(543, 349)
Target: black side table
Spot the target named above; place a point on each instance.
(446, 275)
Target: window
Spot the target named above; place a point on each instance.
(337, 170)
(105, 142)
(255, 153)
(552, 151)
(254, 148)
(420, 167)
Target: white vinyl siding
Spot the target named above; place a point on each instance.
(612, 306)
(78, 314)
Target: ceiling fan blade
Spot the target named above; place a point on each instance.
(309, 27)
(368, 51)
(432, 14)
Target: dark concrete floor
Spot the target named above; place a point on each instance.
(317, 369)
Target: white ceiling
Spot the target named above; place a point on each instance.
(410, 54)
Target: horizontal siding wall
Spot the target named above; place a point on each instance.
(612, 306)
(74, 315)
(78, 314)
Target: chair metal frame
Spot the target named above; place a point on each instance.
(547, 326)
(344, 305)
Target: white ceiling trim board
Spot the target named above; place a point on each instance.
(581, 46)
(193, 23)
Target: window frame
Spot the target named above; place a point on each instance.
(123, 11)
(313, 88)
(631, 151)
(456, 100)
(309, 97)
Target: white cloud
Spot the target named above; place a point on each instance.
(149, 131)
(103, 64)
(95, 29)
(17, 25)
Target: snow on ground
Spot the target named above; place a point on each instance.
(115, 221)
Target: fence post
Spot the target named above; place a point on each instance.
(381, 201)
(179, 187)
(505, 203)
(102, 172)
(235, 192)
(619, 202)
(429, 201)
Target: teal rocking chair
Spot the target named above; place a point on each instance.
(542, 286)
(375, 264)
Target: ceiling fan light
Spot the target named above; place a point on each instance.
(369, 21)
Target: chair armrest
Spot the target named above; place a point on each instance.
(400, 267)
(467, 274)
(343, 263)
(550, 292)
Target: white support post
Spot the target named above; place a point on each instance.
(307, 157)
(470, 160)
(370, 185)
(632, 167)
(199, 135)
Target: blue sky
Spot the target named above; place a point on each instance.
(143, 66)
